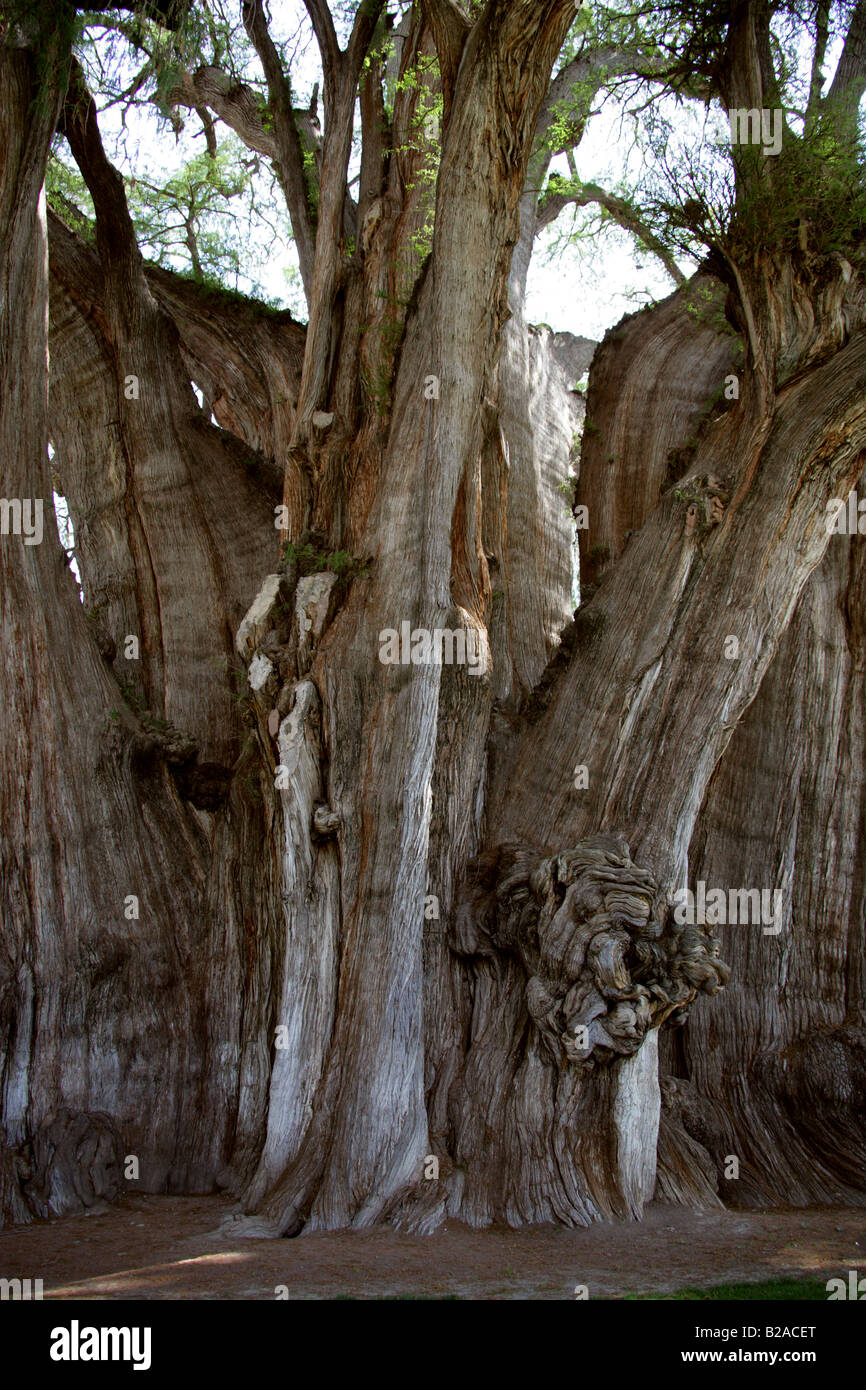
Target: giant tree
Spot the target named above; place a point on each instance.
(288, 918)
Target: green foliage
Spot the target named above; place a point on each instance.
(306, 558)
(222, 218)
(421, 79)
(178, 47)
(199, 218)
(815, 188)
(180, 212)
(568, 488)
(132, 696)
(705, 305)
(311, 179)
(705, 193)
(68, 195)
(49, 32)
(238, 681)
(212, 287)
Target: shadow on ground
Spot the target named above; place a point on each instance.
(169, 1248)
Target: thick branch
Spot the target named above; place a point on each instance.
(595, 69)
(374, 138)
(361, 36)
(849, 83)
(619, 209)
(588, 72)
(450, 26)
(207, 122)
(115, 234)
(239, 107)
(234, 102)
(561, 94)
(290, 159)
(329, 48)
(339, 119)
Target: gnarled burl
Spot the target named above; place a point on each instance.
(604, 959)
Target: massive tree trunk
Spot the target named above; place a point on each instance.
(391, 910)
(94, 1006)
(137, 971)
(368, 1136)
(766, 1073)
(775, 1078)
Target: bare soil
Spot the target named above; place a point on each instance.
(172, 1248)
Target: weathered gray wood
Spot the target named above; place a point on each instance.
(781, 1062)
(393, 862)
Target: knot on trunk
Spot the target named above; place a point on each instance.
(603, 957)
(706, 498)
(325, 821)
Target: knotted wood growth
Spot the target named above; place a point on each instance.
(604, 959)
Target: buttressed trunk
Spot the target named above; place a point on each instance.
(94, 1006)
(368, 1137)
(136, 977)
(774, 1079)
(300, 905)
(563, 955)
(764, 1074)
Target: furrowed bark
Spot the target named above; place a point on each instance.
(773, 1076)
(94, 1007)
(783, 810)
(368, 1134)
(654, 381)
(529, 450)
(191, 603)
(613, 711)
(290, 844)
(731, 1085)
(138, 950)
(246, 360)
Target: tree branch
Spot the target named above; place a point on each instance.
(375, 137)
(362, 33)
(244, 357)
(239, 107)
(849, 82)
(115, 235)
(234, 102)
(333, 193)
(450, 26)
(208, 126)
(619, 210)
(594, 69)
(329, 48)
(289, 161)
(822, 21)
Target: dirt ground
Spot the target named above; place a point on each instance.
(172, 1248)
